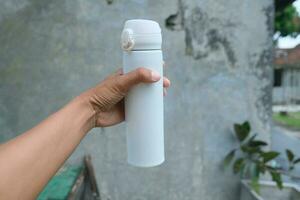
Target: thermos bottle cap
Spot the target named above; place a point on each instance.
(141, 34)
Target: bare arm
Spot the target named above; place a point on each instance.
(28, 161)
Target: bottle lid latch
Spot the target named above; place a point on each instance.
(127, 40)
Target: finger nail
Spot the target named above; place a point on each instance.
(155, 76)
(168, 83)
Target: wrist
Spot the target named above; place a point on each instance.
(86, 112)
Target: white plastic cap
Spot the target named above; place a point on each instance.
(141, 34)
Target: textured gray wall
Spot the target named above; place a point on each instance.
(218, 60)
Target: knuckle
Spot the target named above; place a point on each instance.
(142, 73)
(120, 87)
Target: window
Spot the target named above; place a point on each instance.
(278, 77)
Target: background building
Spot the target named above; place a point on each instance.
(287, 76)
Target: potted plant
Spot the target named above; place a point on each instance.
(251, 160)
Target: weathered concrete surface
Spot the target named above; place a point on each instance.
(52, 50)
(269, 191)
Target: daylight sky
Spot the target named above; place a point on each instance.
(288, 42)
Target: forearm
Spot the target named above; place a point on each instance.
(30, 160)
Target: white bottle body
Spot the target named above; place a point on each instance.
(144, 111)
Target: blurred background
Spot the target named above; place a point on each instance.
(229, 62)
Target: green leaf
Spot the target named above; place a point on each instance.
(297, 161)
(257, 143)
(229, 158)
(290, 155)
(276, 176)
(238, 165)
(250, 147)
(250, 150)
(242, 130)
(255, 184)
(267, 156)
(262, 167)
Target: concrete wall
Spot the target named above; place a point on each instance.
(218, 59)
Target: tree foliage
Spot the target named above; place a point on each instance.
(287, 21)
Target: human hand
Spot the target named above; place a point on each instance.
(107, 98)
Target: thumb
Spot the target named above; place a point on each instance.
(139, 75)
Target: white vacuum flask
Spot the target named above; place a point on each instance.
(141, 42)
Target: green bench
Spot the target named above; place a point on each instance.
(72, 183)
